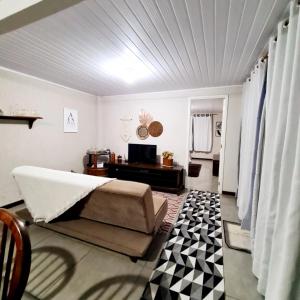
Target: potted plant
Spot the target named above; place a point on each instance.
(167, 158)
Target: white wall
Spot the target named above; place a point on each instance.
(206, 105)
(172, 113)
(45, 144)
(171, 109)
(48, 146)
(232, 144)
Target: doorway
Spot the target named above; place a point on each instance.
(206, 143)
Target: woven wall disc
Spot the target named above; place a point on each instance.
(142, 132)
(155, 129)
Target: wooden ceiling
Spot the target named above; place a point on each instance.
(159, 44)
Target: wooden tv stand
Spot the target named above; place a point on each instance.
(160, 178)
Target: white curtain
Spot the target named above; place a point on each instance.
(260, 150)
(276, 250)
(276, 193)
(252, 91)
(202, 124)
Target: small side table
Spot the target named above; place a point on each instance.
(97, 171)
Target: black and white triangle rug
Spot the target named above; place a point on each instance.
(191, 263)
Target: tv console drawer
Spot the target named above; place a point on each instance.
(160, 178)
(143, 172)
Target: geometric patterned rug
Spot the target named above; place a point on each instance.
(191, 262)
(174, 205)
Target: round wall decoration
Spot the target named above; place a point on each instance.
(155, 129)
(142, 132)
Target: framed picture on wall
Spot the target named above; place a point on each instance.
(70, 120)
(218, 131)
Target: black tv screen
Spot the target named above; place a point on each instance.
(140, 153)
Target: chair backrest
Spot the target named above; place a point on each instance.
(15, 256)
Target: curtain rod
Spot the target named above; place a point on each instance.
(285, 25)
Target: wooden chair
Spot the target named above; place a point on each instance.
(15, 266)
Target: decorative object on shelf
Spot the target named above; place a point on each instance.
(155, 129)
(93, 151)
(119, 158)
(17, 111)
(97, 158)
(70, 120)
(112, 157)
(125, 128)
(1, 112)
(145, 118)
(142, 132)
(168, 154)
(218, 131)
(22, 112)
(167, 158)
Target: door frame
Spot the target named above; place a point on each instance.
(225, 99)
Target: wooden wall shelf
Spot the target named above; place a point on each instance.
(29, 119)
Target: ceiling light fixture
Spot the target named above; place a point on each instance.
(126, 67)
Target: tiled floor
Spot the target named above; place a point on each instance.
(240, 283)
(205, 181)
(66, 268)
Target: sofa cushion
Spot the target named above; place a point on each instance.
(160, 210)
(158, 201)
(119, 239)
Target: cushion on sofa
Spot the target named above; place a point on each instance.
(158, 201)
(130, 242)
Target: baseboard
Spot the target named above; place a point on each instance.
(13, 204)
(228, 193)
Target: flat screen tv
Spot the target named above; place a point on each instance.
(140, 153)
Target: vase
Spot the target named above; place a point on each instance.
(167, 162)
